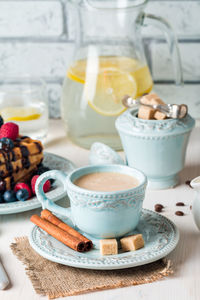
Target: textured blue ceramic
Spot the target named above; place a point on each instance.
(100, 214)
(156, 147)
(160, 237)
(101, 154)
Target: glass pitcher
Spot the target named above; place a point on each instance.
(108, 62)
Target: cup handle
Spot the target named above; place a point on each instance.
(44, 200)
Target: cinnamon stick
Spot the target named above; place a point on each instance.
(47, 215)
(59, 234)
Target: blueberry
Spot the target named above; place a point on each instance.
(22, 195)
(1, 121)
(6, 144)
(1, 198)
(9, 196)
(52, 181)
(41, 169)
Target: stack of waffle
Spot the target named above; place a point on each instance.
(18, 164)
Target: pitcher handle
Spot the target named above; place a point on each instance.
(45, 201)
(149, 19)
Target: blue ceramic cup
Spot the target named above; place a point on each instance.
(100, 214)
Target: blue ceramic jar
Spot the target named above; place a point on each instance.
(155, 147)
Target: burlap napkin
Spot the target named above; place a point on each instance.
(55, 280)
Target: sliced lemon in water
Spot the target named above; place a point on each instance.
(105, 83)
(111, 86)
(108, 79)
(20, 113)
(77, 71)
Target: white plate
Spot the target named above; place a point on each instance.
(160, 234)
(53, 162)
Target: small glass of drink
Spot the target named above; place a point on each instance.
(23, 100)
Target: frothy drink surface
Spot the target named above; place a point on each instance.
(106, 182)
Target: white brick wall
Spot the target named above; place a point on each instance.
(49, 60)
(162, 68)
(183, 15)
(34, 38)
(189, 94)
(31, 18)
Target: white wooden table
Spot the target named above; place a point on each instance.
(184, 284)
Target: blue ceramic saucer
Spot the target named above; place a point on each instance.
(160, 234)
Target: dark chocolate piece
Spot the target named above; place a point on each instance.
(38, 146)
(25, 162)
(24, 151)
(13, 155)
(25, 157)
(9, 167)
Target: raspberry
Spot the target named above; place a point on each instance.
(22, 185)
(46, 186)
(9, 130)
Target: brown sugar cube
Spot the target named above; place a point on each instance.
(108, 247)
(146, 113)
(150, 113)
(132, 242)
(158, 115)
(151, 99)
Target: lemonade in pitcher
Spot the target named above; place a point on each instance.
(108, 62)
(92, 94)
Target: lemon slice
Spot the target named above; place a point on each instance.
(144, 81)
(108, 79)
(20, 113)
(77, 71)
(111, 86)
